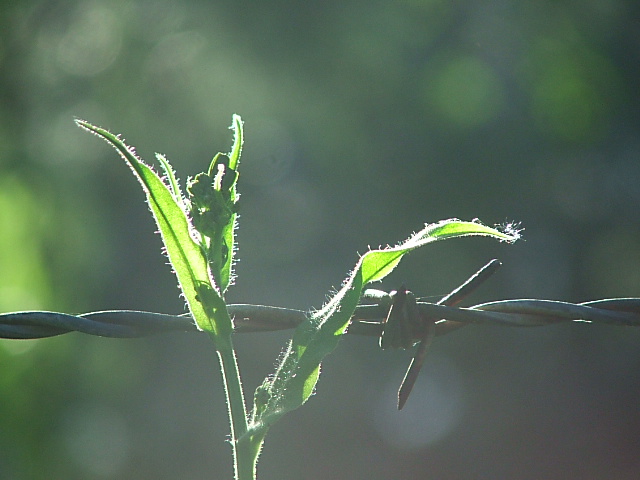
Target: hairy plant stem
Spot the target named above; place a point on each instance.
(236, 408)
(243, 462)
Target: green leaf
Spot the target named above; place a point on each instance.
(238, 140)
(228, 234)
(171, 178)
(184, 253)
(296, 376)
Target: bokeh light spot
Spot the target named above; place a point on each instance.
(434, 409)
(12, 347)
(97, 438)
(175, 53)
(563, 102)
(92, 42)
(24, 283)
(464, 90)
(572, 88)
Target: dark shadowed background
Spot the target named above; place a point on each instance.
(363, 119)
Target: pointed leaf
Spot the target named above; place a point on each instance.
(229, 230)
(296, 376)
(238, 140)
(170, 175)
(184, 253)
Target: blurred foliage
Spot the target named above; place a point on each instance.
(404, 112)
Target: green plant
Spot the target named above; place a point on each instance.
(198, 232)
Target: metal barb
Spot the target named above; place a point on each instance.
(452, 299)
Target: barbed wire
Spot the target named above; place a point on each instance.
(367, 320)
(133, 323)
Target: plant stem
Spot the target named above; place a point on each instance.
(243, 464)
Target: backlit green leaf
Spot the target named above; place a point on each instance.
(184, 253)
(295, 378)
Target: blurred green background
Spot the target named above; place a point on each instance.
(363, 120)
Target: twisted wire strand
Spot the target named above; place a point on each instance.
(367, 319)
